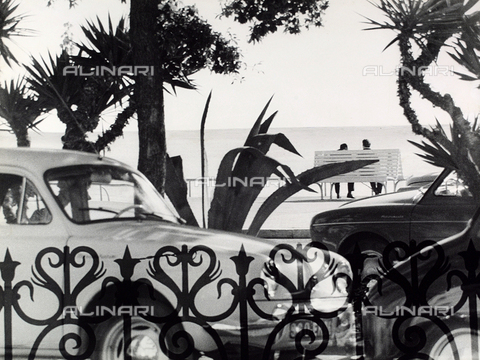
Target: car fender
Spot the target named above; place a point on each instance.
(336, 227)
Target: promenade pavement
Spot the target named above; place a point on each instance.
(291, 219)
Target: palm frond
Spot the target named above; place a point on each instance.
(418, 19)
(17, 107)
(435, 154)
(9, 22)
(53, 86)
(466, 53)
(105, 48)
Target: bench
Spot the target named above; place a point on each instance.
(388, 168)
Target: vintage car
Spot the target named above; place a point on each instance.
(426, 306)
(94, 263)
(415, 182)
(433, 212)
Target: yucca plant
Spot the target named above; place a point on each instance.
(432, 26)
(111, 48)
(107, 48)
(9, 22)
(60, 91)
(244, 172)
(20, 109)
(79, 100)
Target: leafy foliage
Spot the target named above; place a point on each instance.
(110, 49)
(465, 53)
(51, 85)
(418, 20)
(189, 44)
(268, 16)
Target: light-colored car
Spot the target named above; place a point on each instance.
(94, 263)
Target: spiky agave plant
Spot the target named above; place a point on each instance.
(232, 203)
(232, 200)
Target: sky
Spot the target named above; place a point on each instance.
(335, 75)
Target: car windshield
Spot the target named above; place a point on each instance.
(89, 193)
(453, 186)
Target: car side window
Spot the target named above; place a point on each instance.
(452, 186)
(21, 202)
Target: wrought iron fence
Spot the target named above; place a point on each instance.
(423, 302)
(130, 301)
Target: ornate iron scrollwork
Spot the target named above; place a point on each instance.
(434, 299)
(199, 270)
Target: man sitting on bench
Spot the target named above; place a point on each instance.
(376, 187)
(350, 184)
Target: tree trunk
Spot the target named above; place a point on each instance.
(148, 92)
(21, 134)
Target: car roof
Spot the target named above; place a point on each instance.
(40, 160)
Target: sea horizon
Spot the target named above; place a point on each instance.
(307, 140)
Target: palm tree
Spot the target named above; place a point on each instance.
(177, 43)
(19, 109)
(186, 44)
(109, 49)
(432, 26)
(8, 27)
(79, 100)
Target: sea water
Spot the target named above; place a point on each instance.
(186, 143)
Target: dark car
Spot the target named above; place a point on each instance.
(426, 306)
(433, 212)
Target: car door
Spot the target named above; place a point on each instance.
(31, 281)
(444, 210)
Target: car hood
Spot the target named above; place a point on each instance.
(145, 238)
(153, 245)
(392, 207)
(399, 198)
(162, 233)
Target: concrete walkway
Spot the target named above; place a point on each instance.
(290, 220)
